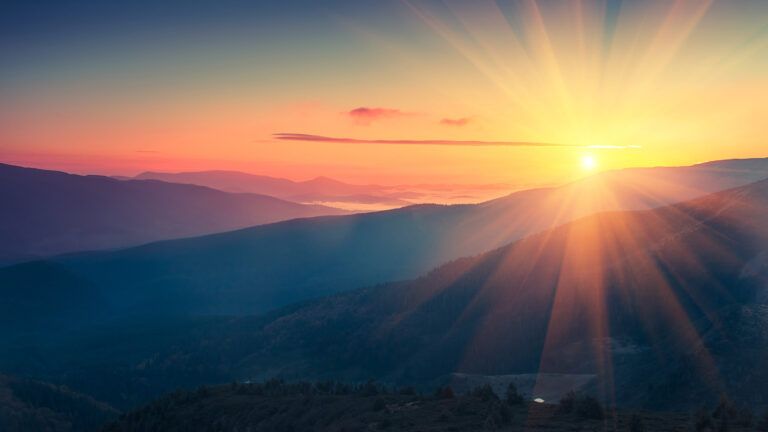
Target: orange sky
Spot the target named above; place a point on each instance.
(665, 83)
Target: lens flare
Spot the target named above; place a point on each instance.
(588, 163)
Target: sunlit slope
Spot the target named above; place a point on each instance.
(631, 189)
(617, 295)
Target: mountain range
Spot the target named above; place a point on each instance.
(47, 213)
(665, 302)
(324, 190)
(264, 267)
(319, 189)
(28, 405)
(663, 307)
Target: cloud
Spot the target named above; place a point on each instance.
(285, 136)
(463, 121)
(366, 116)
(442, 142)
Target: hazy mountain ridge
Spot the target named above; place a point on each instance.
(27, 405)
(319, 189)
(49, 212)
(268, 266)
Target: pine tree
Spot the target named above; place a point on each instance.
(513, 397)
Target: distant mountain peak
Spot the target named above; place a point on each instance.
(326, 179)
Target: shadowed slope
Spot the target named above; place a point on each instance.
(27, 405)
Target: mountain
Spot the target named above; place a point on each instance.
(27, 405)
(260, 268)
(50, 212)
(320, 189)
(229, 181)
(623, 296)
(39, 306)
(656, 307)
(662, 301)
(729, 358)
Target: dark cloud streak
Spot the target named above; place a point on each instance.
(456, 121)
(441, 142)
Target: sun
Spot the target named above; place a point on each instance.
(588, 163)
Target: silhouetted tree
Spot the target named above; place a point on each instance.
(379, 404)
(762, 424)
(725, 409)
(490, 423)
(505, 414)
(724, 425)
(745, 417)
(485, 393)
(444, 393)
(589, 407)
(513, 397)
(369, 389)
(202, 392)
(703, 421)
(567, 403)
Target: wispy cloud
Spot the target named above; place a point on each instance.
(443, 142)
(463, 121)
(285, 136)
(366, 115)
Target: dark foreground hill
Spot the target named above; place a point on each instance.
(275, 406)
(49, 212)
(261, 268)
(27, 405)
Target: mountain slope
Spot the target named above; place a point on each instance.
(633, 298)
(49, 212)
(37, 305)
(260, 268)
(623, 296)
(27, 405)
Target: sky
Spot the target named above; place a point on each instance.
(517, 92)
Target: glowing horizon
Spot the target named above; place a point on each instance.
(641, 84)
